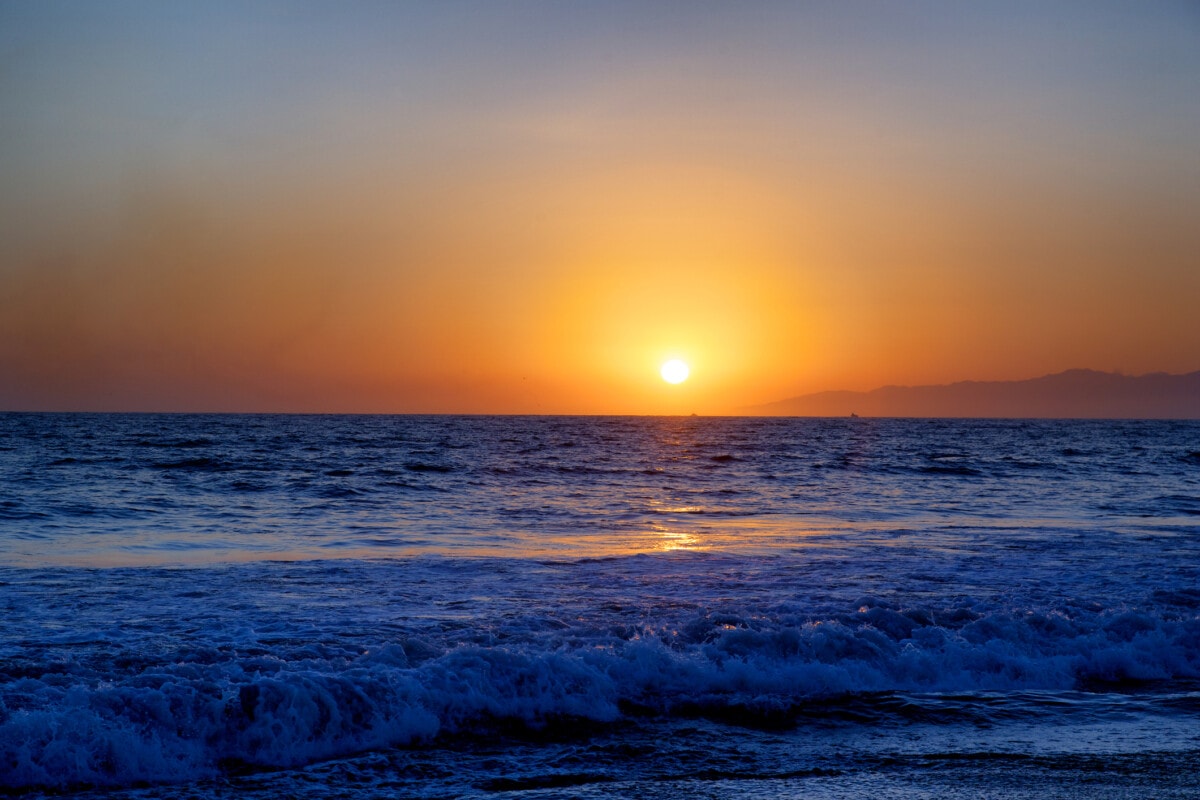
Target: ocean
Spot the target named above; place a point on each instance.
(221, 606)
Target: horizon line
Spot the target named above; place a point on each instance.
(753, 410)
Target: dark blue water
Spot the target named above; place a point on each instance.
(598, 607)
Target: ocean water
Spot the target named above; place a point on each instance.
(338, 606)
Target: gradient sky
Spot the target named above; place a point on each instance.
(527, 206)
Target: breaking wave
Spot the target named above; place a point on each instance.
(203, 712)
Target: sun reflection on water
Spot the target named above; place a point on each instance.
(679, 540)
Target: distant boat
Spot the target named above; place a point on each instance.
(853, 415)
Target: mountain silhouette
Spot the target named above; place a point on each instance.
(1073, 394)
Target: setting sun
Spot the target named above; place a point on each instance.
(372, 297)
(674, 371)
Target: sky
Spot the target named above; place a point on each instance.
(527, 207)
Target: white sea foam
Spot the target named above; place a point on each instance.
(366, 584)
(193, 712)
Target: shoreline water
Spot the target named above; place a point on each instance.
(599, 608)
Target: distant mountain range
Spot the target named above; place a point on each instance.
(1076, 393)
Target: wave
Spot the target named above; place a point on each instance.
(17, 510)
(422, 466)
(202, 464)
(176, 444)
(203, 711)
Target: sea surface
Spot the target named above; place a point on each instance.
(228, 606)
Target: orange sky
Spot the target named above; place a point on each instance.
(528, 208)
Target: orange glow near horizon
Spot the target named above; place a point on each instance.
(435, 219)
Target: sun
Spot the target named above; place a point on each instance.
(674, 371)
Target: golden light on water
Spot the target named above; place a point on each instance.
(674, 371)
